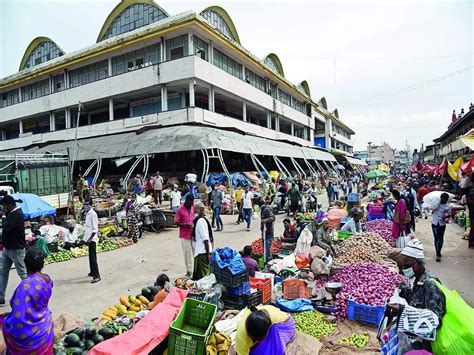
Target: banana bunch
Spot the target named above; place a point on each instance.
(218, 344)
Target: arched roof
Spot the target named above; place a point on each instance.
(335, 113)
(33, 46)
(303, 86)
(225, 17)
(122, 6)
(274, 62)
(322, 102)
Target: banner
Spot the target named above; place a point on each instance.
(466, 168)
(453, 169)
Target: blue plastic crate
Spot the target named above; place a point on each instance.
(353, 197)
(364, 313)
(371, 217)
(243, 289)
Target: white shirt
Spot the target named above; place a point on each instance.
(202, 234)
(247, 199)
(92, 226)
(175, 198)
(352, 226)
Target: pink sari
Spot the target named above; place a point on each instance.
(400, 210)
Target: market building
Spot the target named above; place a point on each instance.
(377, 154)
(150, 70)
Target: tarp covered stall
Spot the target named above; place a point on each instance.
(355, 161)
(34, 206)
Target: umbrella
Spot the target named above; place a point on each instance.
(340, 167)
(373, 174)
(34, 206)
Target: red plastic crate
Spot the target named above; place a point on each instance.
(294, 288)
(265, 285)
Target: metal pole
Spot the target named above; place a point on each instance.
(75, 137)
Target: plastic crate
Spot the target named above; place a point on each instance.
(294, 288)
(240, 302)
(372, 217)
(243, 289)
(364, 313)
(225, 277)
(344, 235)
(191, 329)
(203, 296)
(264, 285)
(353, 197)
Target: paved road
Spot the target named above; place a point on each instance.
(127, 270)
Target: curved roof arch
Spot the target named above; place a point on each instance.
(120, 8)
(303, 86)
(42, 49)
(335, 113)
(322, 102)
(221, 13)
(274, 62)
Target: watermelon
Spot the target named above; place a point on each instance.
(89, 344)
(107, 333)
(97, 339)
(72, 340)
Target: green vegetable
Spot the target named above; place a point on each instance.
(88, 344)
(359, 341)
(90, 332)
(72, 340)
(107, 333)
(312, 323)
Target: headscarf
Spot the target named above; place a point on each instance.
(414, 249)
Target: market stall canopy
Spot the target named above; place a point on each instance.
(355, 161)
(34, 206)
(468, 139)
(176, 139)
(373, 174)
(383, 167)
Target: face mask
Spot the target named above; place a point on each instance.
(409, 272)
(87, 208)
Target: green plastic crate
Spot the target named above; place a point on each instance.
(191, 329)
(344, 235)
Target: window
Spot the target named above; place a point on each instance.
(320, 128)
(284, 97)
(297, 105)
(227, 64)
(9, 98)
(255, 80)
(273, 92)
(88, 74)
(298, 131)
(42, 53)
(177, 47)
(133, 17)
(285, 126)
(201, 48)
(218, 22)
(135, 60)
(35, 90)
(58, 83)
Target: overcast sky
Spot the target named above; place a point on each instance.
(395, 70)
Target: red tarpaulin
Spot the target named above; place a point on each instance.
(441, 169)
(466, 168)
(412, 169)
(429, 169)
(148, 332)
(420, 166)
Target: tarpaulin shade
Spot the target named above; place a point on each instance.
(34, 206)
(453, 169)
(468, 139)
(373, 174)
(355, 161)
(466, 168)
(179, 139)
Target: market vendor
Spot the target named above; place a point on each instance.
(425, 300)
(321, 235)
(354, 225)
(263, 330)
(290, 234)
(164, 286)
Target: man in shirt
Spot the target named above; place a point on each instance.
(184, 220)
(216, 198)
(157, 188)
(175, 198)
(267, 227)
(294, 196)
(203, 238)
(441, 215)
(349, 185)
(91, 238)
(238, 201)
(14, 244)
(247, 206)
(250, 263)
(354, 225)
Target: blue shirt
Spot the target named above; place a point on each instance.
(440, 213)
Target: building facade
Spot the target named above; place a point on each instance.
(377, 154)
(151, 68)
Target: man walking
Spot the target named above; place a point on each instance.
(349, 185)
(267, 228)
(91, 238)
(247, 206)
(216, 199)
(330, 192)
(157, 188)
(294, 197)
(14, 244)
(184, 220)
(238, 201)
(202, 235)
(175, 200)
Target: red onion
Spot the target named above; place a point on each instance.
(382, 227)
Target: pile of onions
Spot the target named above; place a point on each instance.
(366, 283)
(382, 227)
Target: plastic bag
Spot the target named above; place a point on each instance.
(456, 334)
(302, 261)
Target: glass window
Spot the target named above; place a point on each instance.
(218, 22)
(227, 64)
(272, 64)
(9, 98)
(177, 47)
(273, 90)
(201, 48)
(297, 105)
(320, 128)
(35, 90)
(88, 74)
(42, 53)
(285, 126)
(58, 83)
(298, 131)
(133, 17)
(284, 97)
(255, 80)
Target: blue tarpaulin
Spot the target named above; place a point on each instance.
(240, 179)
(34, 206)
(216, 178)
(228, 257)
(297, 305)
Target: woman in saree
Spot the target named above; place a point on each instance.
(28, 328)
(264, 330)
(400, 224)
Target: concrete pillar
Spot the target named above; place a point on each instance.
(162, 50)
(277, 123)
(191, 94)
(244, 76)
(68, 118)
(66, 80)
(292, 129)
(110, 66)
(20, 126)
(52, 122)
(20, 99)
(191, 50)
(89, 119)
(164, 98)
(211, 52)
(183, 98)
(311, 136)
(244, 111)
(269, 120)
(111, 109)
(211, 98)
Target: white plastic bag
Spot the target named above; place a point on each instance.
(432, 200)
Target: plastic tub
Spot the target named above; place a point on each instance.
(364, 313)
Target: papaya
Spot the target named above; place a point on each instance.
(103, 316)
(134, 308)
(134, 301)
(110, 314)
(113, 309)
(124, 301)
(122, 310)
(143, 299)
(131, 314)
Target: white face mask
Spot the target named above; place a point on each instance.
(409, 272)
